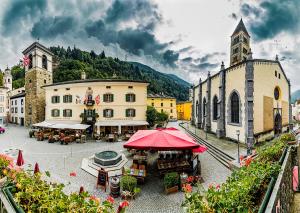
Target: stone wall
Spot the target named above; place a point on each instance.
(35, 95)
(282, 195)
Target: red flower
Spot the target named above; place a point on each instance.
(73, 174)
(190, 179)
(124, 204)
(248, 161)
(187, 188)
(110, 199)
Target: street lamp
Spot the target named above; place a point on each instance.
(238, 142)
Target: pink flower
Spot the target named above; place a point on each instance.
(218, 186)
(210, 186)
(110, 199)
(190, 179)
(73, 174)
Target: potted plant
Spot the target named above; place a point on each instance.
(171, 181)
(129, 187)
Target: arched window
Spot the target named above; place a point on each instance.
(204, 107)
(44, 62)
(197, 105)
(215, 108)
(235, 108)
(30, 61)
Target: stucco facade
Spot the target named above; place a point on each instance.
(79, 92)
(184, 110)
(163, 103)
(3, 105)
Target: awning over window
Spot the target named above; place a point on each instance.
(121, 123)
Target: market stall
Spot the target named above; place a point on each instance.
(177, 152)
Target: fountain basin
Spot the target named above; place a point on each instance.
(107, 158)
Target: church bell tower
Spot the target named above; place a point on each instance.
(7, 79)
(38, 73)
(240, 44)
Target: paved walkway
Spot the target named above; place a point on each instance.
(60, 160)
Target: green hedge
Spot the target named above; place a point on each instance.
(245, 189)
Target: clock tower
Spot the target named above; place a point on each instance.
(38, 73)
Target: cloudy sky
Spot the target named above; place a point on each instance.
(185, 37)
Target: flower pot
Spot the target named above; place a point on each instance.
(171, 190)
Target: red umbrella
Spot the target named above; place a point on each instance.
(36, 168)
(20, 160)
(161, 139)
(200, 149)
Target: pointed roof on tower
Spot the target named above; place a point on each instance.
(240, 27)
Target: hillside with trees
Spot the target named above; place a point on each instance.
(68, 64)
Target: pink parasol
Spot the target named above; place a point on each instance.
(20, 160)
(36, 168)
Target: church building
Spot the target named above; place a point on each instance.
(250, 98)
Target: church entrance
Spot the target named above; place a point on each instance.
(277, 124)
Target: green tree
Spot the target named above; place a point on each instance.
(161, 117)
(102, 55)
(151, 115)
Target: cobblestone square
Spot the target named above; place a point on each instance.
(60, 160)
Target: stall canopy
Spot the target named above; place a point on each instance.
(60, 125)
(121, 123)
(161, 139)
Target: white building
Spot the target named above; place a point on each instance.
(3, 105)
(17, 108)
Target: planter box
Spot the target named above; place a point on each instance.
(171, 190)
(292, 142)
(10, 197)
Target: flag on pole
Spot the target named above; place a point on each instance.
(97, 99)
(26, 60)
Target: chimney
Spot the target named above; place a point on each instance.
(83, 75)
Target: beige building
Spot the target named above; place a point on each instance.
(109, 106)
(250, 98)
(163, 103)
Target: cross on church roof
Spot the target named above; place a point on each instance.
(240, 27)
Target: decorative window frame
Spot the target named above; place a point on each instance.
(229, 110)
(104, 113)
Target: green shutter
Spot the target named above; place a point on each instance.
(133, 112)
(104, 113)
(70, 98)
(133, 97)
(112, 98)
(112, 113)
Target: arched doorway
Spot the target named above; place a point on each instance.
(277, 124)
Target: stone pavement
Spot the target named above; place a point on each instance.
(60, 160)
(226, 146)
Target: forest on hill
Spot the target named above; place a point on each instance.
(68, 64)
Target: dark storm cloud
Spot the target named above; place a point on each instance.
(170, 57)
(50, 27)
(207, 66)
(125, 10)
(276, 16)
(20, 11)
(187, 59)
(247, 10)
(185, 49)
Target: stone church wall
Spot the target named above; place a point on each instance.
(235, 81)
